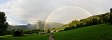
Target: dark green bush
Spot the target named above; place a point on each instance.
(17, 33)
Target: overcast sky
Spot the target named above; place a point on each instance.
(28, 11)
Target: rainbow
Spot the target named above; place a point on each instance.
(63, 8)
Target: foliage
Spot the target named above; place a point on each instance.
(48, 30)
(31, 31)
(3, 23)
(8, 32)
(93, 20)
(18, 33)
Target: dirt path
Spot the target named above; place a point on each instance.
(51, 37)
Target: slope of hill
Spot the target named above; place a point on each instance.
(53, 25)
(96, 32)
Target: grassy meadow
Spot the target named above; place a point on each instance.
(27, 37)
(95, 32)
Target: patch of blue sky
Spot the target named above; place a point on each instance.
(3, 1)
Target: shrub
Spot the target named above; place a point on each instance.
(17, 33)
(28, 32)
(8, 32)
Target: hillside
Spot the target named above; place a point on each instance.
(53, 25)
(96, 32)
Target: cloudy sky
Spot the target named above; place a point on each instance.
(28, 11)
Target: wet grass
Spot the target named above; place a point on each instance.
(96, 32)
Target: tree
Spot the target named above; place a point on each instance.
(17, 33)
(110, 19)
(3, 23)
(48, 30)
(111, 10)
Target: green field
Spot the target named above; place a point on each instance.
(27, 37)
(96, 32)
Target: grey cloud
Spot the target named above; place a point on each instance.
(31, 10)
